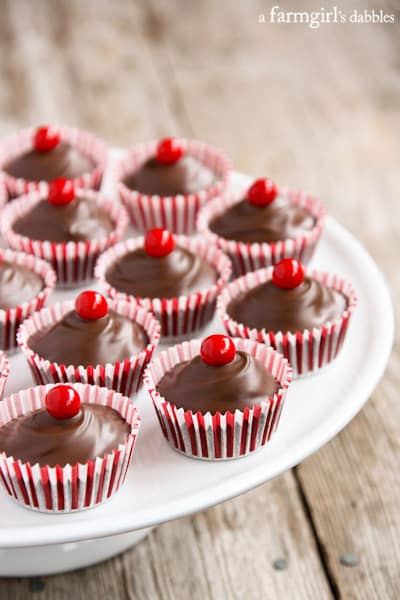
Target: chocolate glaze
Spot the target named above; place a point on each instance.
(196, 386)
(178, 274)
(308, 305)
(40, 438)
(76, 341)
(80, 220)
(186, 176)
(279, 220)
(18, 284)
(62, 161)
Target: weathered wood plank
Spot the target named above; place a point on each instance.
(84, 65)
(355, 503)
(228, 552)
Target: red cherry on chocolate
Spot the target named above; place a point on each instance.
(159, 242)
(61, 191)
(91, 305)
(288, 273)
(169, 150)
(62, 402)
(262, 192)
(217, 350)
(46, 138)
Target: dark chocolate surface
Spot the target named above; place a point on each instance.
(279, 220)
(40, 438)
(18, 284)
(178, 274)
(196, 386)
(80, 220)
(76, 341)
(186, 176)
(62, 161)
(308, 305)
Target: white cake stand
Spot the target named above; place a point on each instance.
(163, 485)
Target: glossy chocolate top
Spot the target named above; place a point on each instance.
(77, 341)
(309, 305)
(18, 284)
(279, 220)
(196, 386)
(40, 438)
(186, 176)
(81, 220)
(178, 274)
(62, 161)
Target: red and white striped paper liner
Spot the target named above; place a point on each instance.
(21, 142)
(218, 436)
(122, 376)
(4, 372)
(72, 261)
(3, 192)
(307, 351)
(64, 489)
(176, 213)
(178, 316)
(11, 318)
(247, 257)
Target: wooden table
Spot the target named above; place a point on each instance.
(313, 108)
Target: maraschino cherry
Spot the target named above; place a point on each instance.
(63, 402)
(288, 273)
(46, 138)
(91, 305)
(262, 192)
(217, 350)
(159, 242)
(169, 151)
(61, 192)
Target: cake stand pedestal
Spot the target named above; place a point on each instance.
(33, 561)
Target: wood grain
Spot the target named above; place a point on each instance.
(318, 109)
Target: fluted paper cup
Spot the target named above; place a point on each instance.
(218, 436)
(307, 351)
(179, 316)
(3, 192)
(247, 257)
(11, 318)
(176, 213)
(4, 372)
(85, 142)
(123, 376)
(71, 487)
(72, 261)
